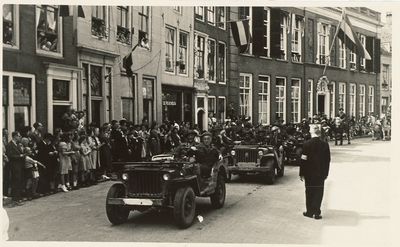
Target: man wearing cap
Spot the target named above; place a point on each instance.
(314, 169)
(205, 154)
(342, 115)
(182, 149)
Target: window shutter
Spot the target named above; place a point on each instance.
(258, 30)
(369, 64)
(275, 33)
(377, 56)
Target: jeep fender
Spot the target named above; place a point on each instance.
(222, 171)
(191, 181)
(265, 158)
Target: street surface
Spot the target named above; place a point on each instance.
(356, 210)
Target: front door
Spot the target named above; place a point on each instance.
(321, 103)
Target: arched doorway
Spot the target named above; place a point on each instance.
(200, 118)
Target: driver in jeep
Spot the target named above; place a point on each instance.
(205, 154)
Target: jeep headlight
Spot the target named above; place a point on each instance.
(260, 153)
(125, 176)
(233, 152)
(166, 176)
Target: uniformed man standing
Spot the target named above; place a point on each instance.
(314, 169)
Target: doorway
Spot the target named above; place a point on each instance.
(200, 116)
(321, 103)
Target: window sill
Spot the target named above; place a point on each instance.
(246, 55)
(282, 60)
(297, 62)
(10, 47)
(266, 58)
(105, 39)
(49, 54)
(169, 72)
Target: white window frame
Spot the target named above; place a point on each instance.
(352, 60)
(310, 98)
(323, 36)
(10, 108)
(199, 11)
(39, 51)
(106, 21)
(296, 28)
(385, 75)
(264, 106)
(362, 60)
(278, 99)
(362, 100)
(128, 21)
(283, 34)
(205, 55)
(250, 45)
(332, 100)
(246, 109)
(217, 62)
(211, 15)
(15, 29)
(187, 52)
(342, 92)
(293, 100)
(353, 99)
(144, 17)
(371, 99)
(221, 21)
(178, 9)
(213, 101)
(173, 52)
(209, 49)
(224, 113)
(267, 34)
(342, 55)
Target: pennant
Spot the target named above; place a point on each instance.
(127, 64)
(241, 32)
(348, 36)
(67, 10)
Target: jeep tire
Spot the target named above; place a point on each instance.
(115, 213)
(270, 176)
(184, 207)
(218, 198)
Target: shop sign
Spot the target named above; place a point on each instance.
(169, 103)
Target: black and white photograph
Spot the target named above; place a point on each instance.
(243, 122)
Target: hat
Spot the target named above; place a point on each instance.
(206, 134)
(274, 128)
(341, 109)
(48, 136)
(191, 132)
(216, 128)
(304, 119)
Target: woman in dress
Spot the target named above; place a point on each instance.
(105, 152)
(75, 159)
(145, 137)
(65, 153)
(95, 145)
(85, 163)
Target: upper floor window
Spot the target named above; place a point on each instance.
(211, 15)
(385, 77)
(362, 101)
(183, 40)
(245, 103)
(362, 59)
(221, 17)
(144, 22)
(199, 13)
(266, 32)
(169, 49)
(280, 98)
(371, 99)
(199, 56)
(221, 62)
(177, 9)
(342, 54)
(211, 59)
(123, 33)
(244, 14)
(283, 34)
(323, 43)
(296, 39)
(263, 99)
(295, 100)
(99, 22)
(9, 25)
(352, 110)
(342, 95)
(47, 28)
(352, 58)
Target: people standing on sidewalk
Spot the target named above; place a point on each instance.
(105, 152)
(65, 153)
(94, 143)
(314, 169)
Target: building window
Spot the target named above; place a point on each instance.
(283, 34)
(199, 12)
(177, 9)
(144, 22)
(148, 98)
(280, 98)
(362, 59)
(211, 15)
(108, 94)
(244, 14)
(371, 99)
(47, 28)
(96, 77)
(128, 99)
(211, 105)
(352, 58)
(199, 56)
(263, 100)
(342, 54)
(352, 110)
(332, 100)
(183, 40)
(385, 77)
(221, 62)
(99, 22)
(221, 108)
(169, 49)
(123, 33)
(221, 17)
(296, 39)
(362, 101)
(342, 95)
(310, 98)
(385, 101)
(211, 60)
(266, 41)
(9, 24)
(61, 90)
(323, 43)
(295, 94)
(245, 103)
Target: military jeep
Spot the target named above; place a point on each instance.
(164, 183)
(260, 158)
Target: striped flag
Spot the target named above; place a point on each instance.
(348, 36)
(67, 10)
(127, 64)
(241, 32)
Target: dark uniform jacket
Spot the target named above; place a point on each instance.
(13, 152)
(205, 156)
(315, 159)
(183, 149)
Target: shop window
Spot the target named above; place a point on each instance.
(123, 33)
(99, 22)
(47, 28)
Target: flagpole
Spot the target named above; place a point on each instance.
(333, 41)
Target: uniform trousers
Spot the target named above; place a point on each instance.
(314, 194)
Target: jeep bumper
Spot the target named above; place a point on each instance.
(249, 169)
(135, 202)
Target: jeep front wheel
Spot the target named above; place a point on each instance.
(115, 213)
(184, 207)
(270, 176)
(218, 198)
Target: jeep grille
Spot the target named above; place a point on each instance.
(145, 183)
(246, 155)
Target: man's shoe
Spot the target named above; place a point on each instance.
(307, 215)
(18, 203)
(317, 217)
